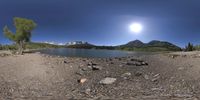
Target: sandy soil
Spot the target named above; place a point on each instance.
(36, 76)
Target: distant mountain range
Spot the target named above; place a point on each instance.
(135, 45)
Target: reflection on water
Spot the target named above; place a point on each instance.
(68, 52)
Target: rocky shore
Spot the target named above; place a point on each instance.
(151, 77)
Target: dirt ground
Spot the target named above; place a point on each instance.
(169, 76)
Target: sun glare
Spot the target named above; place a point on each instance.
(135, 28)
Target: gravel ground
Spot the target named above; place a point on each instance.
(169, 76)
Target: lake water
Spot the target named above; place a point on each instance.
(68, 52)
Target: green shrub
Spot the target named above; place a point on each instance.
(197, 47)
(189, 47)
(1, 47)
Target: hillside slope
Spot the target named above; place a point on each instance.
(154, 45)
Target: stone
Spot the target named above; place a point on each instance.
(64, 61)
(198, 55)
(137, 60)
(138, 73)
(91, 64)
(111, 63)
(128, 63)
(144, 63)
(126, 74)
(181, 68)
(84, 69)
(87, 91)
(96, 68)
(37, 52)
(156, 77)
(174, 56)
(80, 73)
(107, 81)
(146, 77)
(4, 55)
(83, 80)
(184, 56)
(183, 95)
(132, 59)
(157, 89)
(138, 64)
(120, 65)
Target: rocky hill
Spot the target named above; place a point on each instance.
(154, 45)
(135, 45)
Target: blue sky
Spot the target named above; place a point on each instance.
(106, 22)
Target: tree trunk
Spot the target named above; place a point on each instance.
(20, 47)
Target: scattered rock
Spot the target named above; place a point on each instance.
(184, 56)
(129, 63)
(174, 56)
(157, 89)
(146, 77)
(196, 56)
(84, 69)
(144, 63)
(87, 91)
(138, 73)
(4, 55)
(111, 63)
(37, 52)
(181, 68)
(126, 74)
(80, 73)
(96, 68)
(92, 64)
(183, 95)
(64, 61)
(107, 81)
(138, 64)
(137, 60)
(120, 65)
(156, 77)
(83, 80)
(133, 59)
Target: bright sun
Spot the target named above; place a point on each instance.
(136, 28)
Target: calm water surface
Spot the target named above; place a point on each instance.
(68, 52)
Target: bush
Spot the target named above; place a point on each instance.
(1, 47)
(189, 47)
(197, 47)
